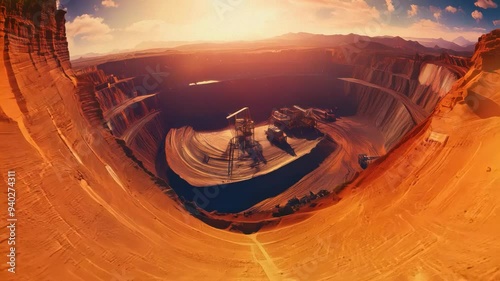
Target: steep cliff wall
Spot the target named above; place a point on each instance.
(67, 165)
(35, 62)
(59, 156)
(126, 109)
(424, 82)
(33, 40)
(35, 29)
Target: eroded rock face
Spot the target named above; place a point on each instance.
(424, 80)
(473, 89)
(486, 56)
(36, 29)
(34, 46)
(127, 109)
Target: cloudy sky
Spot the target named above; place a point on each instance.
(102, 26)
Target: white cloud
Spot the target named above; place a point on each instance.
(437, 15)
(146, 26)
(477, 15)
(427, 25)
(451, 9)
(353, 16)
(413, 10)
(89, 28)
(160, 30)
(427, 28)
(485, 4)
(109, 3)
(390, 6)
(436, 12)
(496, 22)
(181, 21)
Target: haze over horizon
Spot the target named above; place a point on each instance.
(103, 26)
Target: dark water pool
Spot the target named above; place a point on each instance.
(237, 197)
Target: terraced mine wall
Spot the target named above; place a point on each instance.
(284, 79)
(425, 82)
(130, 112)
(264, 81)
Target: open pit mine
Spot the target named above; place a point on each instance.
(367, 159)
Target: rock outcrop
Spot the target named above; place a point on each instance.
(127, 110)
(487, 52)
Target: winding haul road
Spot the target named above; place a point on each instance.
(121, 107)
(130, 133)
(417, 113)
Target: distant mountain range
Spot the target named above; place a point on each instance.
(459, 46)
(461, 41)
(302, 39)
(163, 44)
